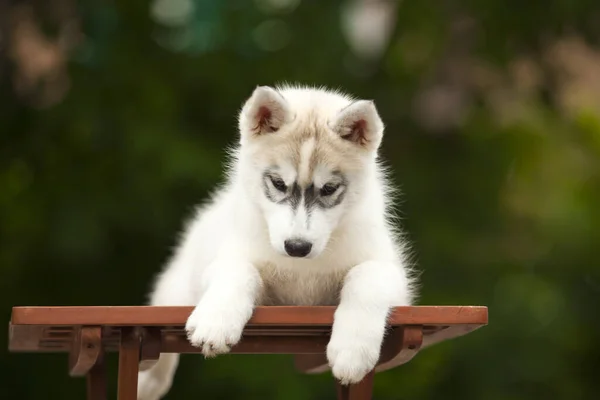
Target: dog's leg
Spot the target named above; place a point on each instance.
(154, 383)
(172, 289)
(231, 290)
(369, 290)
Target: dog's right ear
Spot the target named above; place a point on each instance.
(264, 112)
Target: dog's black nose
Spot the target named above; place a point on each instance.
(297, 247)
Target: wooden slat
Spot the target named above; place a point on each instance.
(280, 316)
(256, 345)
(24, 337)
(129, 358)
(293, 330)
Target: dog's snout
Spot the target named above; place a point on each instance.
(297, 247)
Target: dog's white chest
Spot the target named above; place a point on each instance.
(300, 288)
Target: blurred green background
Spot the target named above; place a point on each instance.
(114, 117)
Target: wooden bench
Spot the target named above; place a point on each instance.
(140, 334)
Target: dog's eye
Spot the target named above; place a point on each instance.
(329, 189)
(278, 183)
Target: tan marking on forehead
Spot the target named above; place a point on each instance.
(307, 145)
(306, 164)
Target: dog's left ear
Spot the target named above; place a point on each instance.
(360, 123)
(266, 111)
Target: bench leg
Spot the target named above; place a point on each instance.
(129, 358)
(362, 390)
(96, 380)
(86, 358)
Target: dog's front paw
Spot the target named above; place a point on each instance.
(352, 357)
(214, 329)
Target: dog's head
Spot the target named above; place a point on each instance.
(304, 158)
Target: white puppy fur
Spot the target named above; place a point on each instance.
(303, 219)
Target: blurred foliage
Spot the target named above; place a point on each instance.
(115, 115)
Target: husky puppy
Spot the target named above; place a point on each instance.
(303, 219)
